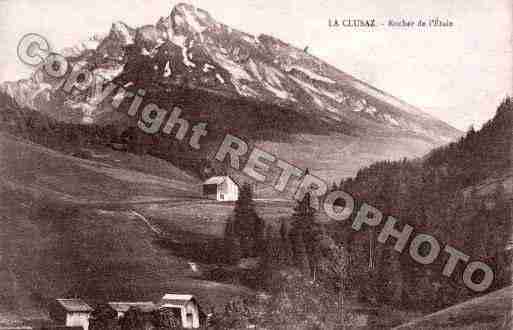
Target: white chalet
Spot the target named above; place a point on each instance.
(221, 188)
(71, 313)
(186, 307)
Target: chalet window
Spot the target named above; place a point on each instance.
(209, 189)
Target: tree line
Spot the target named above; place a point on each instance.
(440, 195)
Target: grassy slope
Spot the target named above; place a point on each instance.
(492, 311)
(330, 149)
(27, 165)
(335, 156)
(66, 229)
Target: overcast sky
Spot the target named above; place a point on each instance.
(458, 74)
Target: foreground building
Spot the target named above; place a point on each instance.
(185, 306)
(122, 307)
(71, 313)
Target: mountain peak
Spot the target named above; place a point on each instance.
(184, 6)
(186, 19)
(120, 35)
(190, 48)
(122, 32)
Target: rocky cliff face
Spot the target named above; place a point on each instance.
(235, 81)
(189, 47)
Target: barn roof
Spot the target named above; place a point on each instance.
(173, 296)
(174, 303)
(123, 307)
(175, 300)
(74, 305)
(215, 180)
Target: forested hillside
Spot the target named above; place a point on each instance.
(459, 193)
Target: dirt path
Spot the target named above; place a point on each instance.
(147, 222)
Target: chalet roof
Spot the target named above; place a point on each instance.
(215, 180)
(124, 306)
(74, 305)
(173, 303)
(173, 296)
(175, 300)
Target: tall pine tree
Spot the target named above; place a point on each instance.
(247, 225)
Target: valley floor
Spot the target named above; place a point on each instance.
(73, 227)
(101, 229)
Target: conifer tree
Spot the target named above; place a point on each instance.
(286, 254)
(231, 243)
(248, 226)
(303, 234)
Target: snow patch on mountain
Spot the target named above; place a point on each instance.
(123, 32)
(260, 67)
(191, 19)
(273, 75)
(186, 59)
(249, 38)
(254, 69)
(371, 110)
(180, 41)
(321, 92)
(244, 90)
(237, 71)
(310, 90)
(358, 105)
(208, 67)
(278, 92)
(337, 97)
(391, 119)
(312, 75)
(221, 80)
(316, 100)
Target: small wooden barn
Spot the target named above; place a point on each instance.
(121, 307)
(71, 313)
(221, 188)
(186, 306)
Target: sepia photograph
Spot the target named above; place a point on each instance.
(256, 164)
